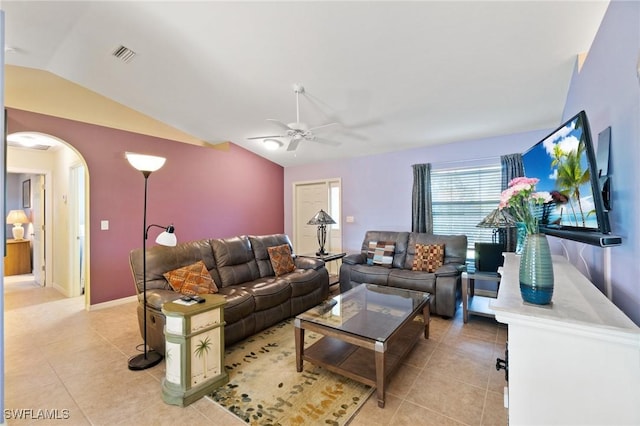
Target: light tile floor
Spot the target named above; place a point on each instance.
(60, 357)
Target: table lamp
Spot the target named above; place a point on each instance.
(322, 219)
(497, 219)
(17, 218)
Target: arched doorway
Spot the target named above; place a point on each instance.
(59, 215)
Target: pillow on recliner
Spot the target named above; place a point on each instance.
(428, 258)
(281, 259)
(191, 279)
(380, 253)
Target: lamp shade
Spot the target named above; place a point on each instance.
(321, 218)
(168, 237)
(497, 219)
(145, 163)
(17, 216)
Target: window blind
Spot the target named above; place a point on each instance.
(461, 198)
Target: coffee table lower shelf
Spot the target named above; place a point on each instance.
(360, 361)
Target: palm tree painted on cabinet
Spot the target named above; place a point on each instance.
(202, 350)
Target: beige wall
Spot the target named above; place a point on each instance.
(55, 164)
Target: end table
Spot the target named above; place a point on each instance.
(194, 337)
(334, 279)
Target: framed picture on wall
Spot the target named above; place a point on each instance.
(26, 194)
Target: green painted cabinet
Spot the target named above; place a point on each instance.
(194, 357)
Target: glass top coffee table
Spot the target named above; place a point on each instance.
(367, 331)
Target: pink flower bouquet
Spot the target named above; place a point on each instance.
(520, 198)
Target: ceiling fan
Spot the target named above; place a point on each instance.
(297, 132)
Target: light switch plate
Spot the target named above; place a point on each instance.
(104, 225)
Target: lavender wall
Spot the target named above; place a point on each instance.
(607, 88)
(204, 192)
(376, 190)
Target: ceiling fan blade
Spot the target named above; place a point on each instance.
(267, 137)
(327, 141)
(278, 123)
(293, 145)
(325, 127)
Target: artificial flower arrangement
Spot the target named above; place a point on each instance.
(520, 199)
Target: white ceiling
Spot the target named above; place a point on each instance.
(396, 75)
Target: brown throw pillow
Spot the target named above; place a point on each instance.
(429, 257)
(192, 279)
(281, 259)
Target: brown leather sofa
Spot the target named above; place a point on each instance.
(242, 271)
(443, 284)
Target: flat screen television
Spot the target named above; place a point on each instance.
(565, 163)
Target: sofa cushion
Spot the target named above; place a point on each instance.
(399, 239)
(428, 257)
(235, 260)
(305, 281)
(268, 292)
(380, 253)
(369, 274)
(413, 280)
(161, 259)
(260, 245)
(281, 260)
(240, 304)
(455, 247)
(191, 279)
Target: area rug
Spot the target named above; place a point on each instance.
(265, 389)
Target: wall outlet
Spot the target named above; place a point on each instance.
(104, 225)
(350, 219)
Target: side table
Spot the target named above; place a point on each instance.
(476, 304)
(194, 339)
(18, 259)
(334, 279)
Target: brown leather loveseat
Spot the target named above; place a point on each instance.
(443, 283)
(241, 269)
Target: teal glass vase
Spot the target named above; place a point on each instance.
(521, 235)
(536, 270)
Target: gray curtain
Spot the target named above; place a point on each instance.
(421, 215)
(511, 168)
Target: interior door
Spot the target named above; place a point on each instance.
(39, 234)
(310, 197)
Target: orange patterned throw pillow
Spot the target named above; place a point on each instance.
(281, 259)
(428, 258)
(192, 279)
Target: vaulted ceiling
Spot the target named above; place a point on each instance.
(394, 75)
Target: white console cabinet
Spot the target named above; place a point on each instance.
(575, 362)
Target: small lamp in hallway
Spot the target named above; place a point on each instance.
(17, 218)
(148, 164)
(322, 219)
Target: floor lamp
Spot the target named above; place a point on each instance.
(148, 164)
(322, 219)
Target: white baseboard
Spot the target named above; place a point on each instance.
(112, 303)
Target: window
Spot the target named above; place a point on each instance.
(461, 198)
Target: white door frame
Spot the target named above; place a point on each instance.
(77, 235)
(48, 214)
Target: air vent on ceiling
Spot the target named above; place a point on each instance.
(124, 54)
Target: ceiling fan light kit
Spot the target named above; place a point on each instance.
(295, 132)
(272, 144)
